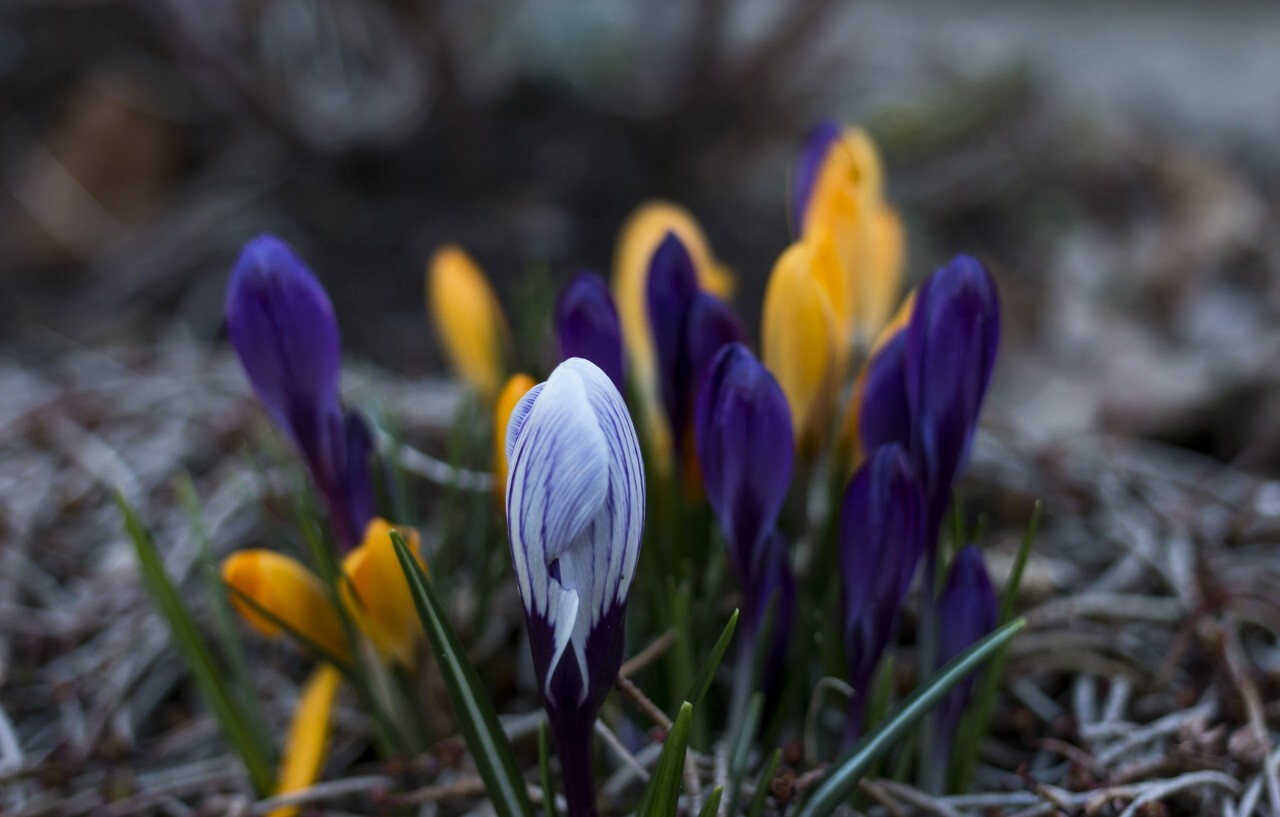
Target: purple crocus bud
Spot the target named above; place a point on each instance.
(949, 355)
(882, 528)
(883, 414)
(813, 153)
(672, 287)
(575, 516)
(587, 326)
(746, 450)
(712, 326)
(966, 613)
(282, 326)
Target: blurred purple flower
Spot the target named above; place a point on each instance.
(882, 529)
(949, 356)
(689, 327)
(817, 144)
(575, 516)
(746, 451)
(282, 326)
(966, 613)
(587, 326)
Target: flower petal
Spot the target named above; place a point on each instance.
(308, 741)
(949, 357)
(285, 589)
(282, 326)
(966, 613)
(517, 387)
(746, 450)
(813, 155)
(798, 340)
(672, 286)
(469, 319)
(587, 326)
(377, 595)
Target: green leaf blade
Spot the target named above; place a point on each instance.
(707, 672)
(839, 781)
(662, 796)
(470, 702)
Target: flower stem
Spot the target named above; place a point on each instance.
(573, 746)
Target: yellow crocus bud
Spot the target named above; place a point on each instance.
(376, 594)
(798, 341)
(640, 236)
(290, 593)
(518, 386)
(308, 741)
(469, 320)
(847, 203)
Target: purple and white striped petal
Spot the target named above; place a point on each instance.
(575, 516)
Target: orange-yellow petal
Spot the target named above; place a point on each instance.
(888, 262)
(289, 592)
(518, 386)
(308, 742)
(382, 605)
(640, 236)
(469, 320)
(798, 340)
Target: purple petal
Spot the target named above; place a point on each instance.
(587, 326)
(883, 415)
(817, 145)
(672, 285)
(746, 450)
(282, 326)
(881, 541)
(950, 354)
(966, 613)
(712, 325)
(356, 477)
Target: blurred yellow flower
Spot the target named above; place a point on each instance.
(308, 740)
(847, 208)
(798, 342)
(469, 320)
(639, 237)
(518, 386)
(288, 591)
(377, 595)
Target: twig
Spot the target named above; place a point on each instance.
(327, 790)
(650, 709)
(648, 655)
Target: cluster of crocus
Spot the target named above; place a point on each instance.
(282, 325)
(915, 411)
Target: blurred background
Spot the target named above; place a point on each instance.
(1114, 162)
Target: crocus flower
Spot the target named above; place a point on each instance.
(799, 343)
(949, 356)
(747, 454)
(469, 320)
(689, 327)
(293, 597)
(645, 229)
(517, 387)
(374, 594)
(587, 326)
(377, 596)
(838, 198)
(966, 613)
(282, 326)
(746, 451)
(882, 529)
(575, 516)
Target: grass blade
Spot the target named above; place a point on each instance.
(544, 769)
(742, 748)
(843, 775)
(186, 636)
(712, 804)
(702, 681)
(762, 785)
(470, 702)
(662, 795)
